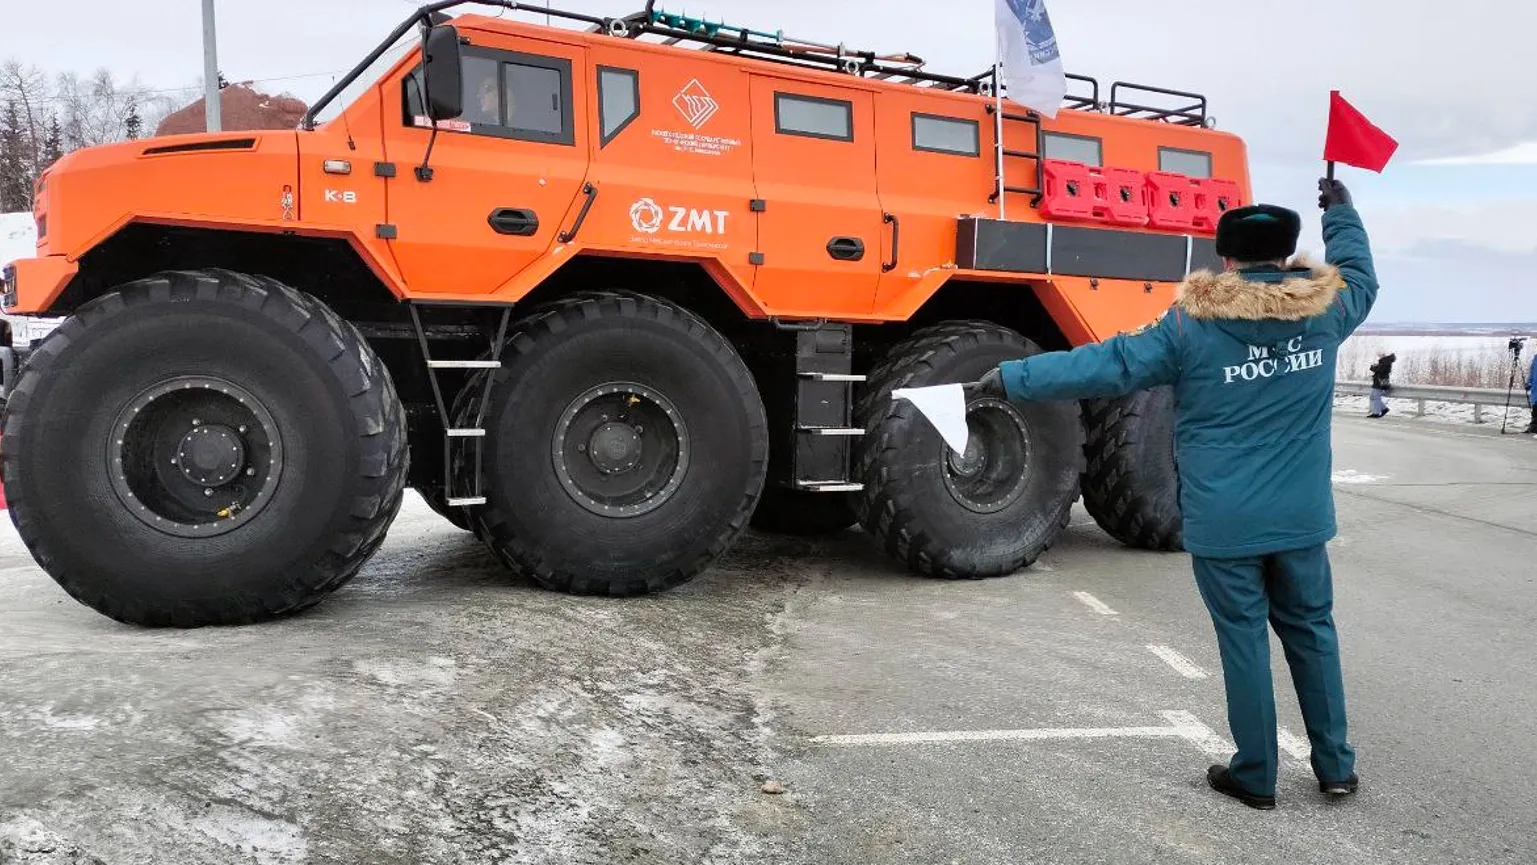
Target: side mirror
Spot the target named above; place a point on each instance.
(444, 73)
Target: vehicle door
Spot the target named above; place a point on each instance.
(505, 177)
(820, 229)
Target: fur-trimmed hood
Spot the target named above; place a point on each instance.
(1303, 290)
(1265, 306)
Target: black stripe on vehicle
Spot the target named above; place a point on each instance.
(1107, 253)
(1110, 254)
(1203, 255)
(196, 146)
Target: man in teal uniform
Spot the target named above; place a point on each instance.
(1250, 353)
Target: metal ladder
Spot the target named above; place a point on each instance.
(848, 380)
(451, 434)
(1000, 115)
(819, 402)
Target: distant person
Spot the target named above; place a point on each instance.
(1531, 392)
(1251, 354)
(1382, 374)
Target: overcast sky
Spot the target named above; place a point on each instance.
(1453, 218)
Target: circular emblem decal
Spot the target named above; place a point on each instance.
(646, 216)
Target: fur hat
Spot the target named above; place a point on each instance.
(1259, 232)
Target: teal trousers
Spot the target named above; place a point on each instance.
(1294, 592)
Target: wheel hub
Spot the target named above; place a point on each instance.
(211, 455)
(614, 447)
(194, 456)
(968, 464)
(995, 469)
(620, 450)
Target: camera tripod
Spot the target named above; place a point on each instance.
(1514, 345)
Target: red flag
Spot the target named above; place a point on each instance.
(1353, 139)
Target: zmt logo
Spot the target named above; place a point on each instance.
(648, 217)
(695, 104)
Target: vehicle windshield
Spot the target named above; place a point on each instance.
(368, 77)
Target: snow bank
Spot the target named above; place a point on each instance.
(18, 237)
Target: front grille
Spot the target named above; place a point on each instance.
(8, 286)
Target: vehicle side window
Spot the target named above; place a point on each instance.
(1073, 148)
(946, 135)
(618, 100)
(1191, 163)
(507, 95)
(813, 117)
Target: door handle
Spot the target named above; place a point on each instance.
(846, 248)
(516, 221)
(896, 238)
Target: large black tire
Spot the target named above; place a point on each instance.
(324, 449)
(1131, 479)
(918, 500)
(802, 513)
(651, 369)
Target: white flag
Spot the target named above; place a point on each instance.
(1027, 51)
(945, 407)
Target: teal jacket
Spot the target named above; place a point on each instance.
(1250, 355)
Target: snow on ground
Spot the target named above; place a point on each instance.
(1442, 412)
(18, 237)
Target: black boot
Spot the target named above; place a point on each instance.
(1222, 781)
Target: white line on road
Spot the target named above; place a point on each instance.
(1182, 725)
(944, 736)
(1094, 603)
(1181, 664)
(1291, 744)
(1198, 734)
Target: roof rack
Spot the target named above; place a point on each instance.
(1192, 113)
(674, 29)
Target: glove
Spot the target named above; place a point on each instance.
(1333, 194)
(989, 385)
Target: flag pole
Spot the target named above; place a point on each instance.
(998, 128)
(1330, 170)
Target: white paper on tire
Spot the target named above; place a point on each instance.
(945, 407)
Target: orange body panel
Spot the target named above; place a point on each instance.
(702, 173)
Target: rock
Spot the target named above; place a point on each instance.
(240, 108)
(773, 788)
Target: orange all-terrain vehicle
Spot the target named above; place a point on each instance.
(603, 295)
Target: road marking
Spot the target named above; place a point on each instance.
(1182, 725)
(1198, 734)
(1351, 476)
(1181, 664)
(1297, 748)
(1094, 604)
(944, 736)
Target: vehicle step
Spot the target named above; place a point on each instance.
(464, 364)
(466, 501)
(829, 486)
(466, 433)
(832, 376)
(832, 430)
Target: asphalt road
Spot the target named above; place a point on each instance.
(436, 711)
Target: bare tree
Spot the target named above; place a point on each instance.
(45, 118)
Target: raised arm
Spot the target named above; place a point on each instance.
(1347, 248)
(1117, 366)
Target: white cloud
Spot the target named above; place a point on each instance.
(1504, 225)
(1524, 153)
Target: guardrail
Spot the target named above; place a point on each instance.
(1478, 397)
